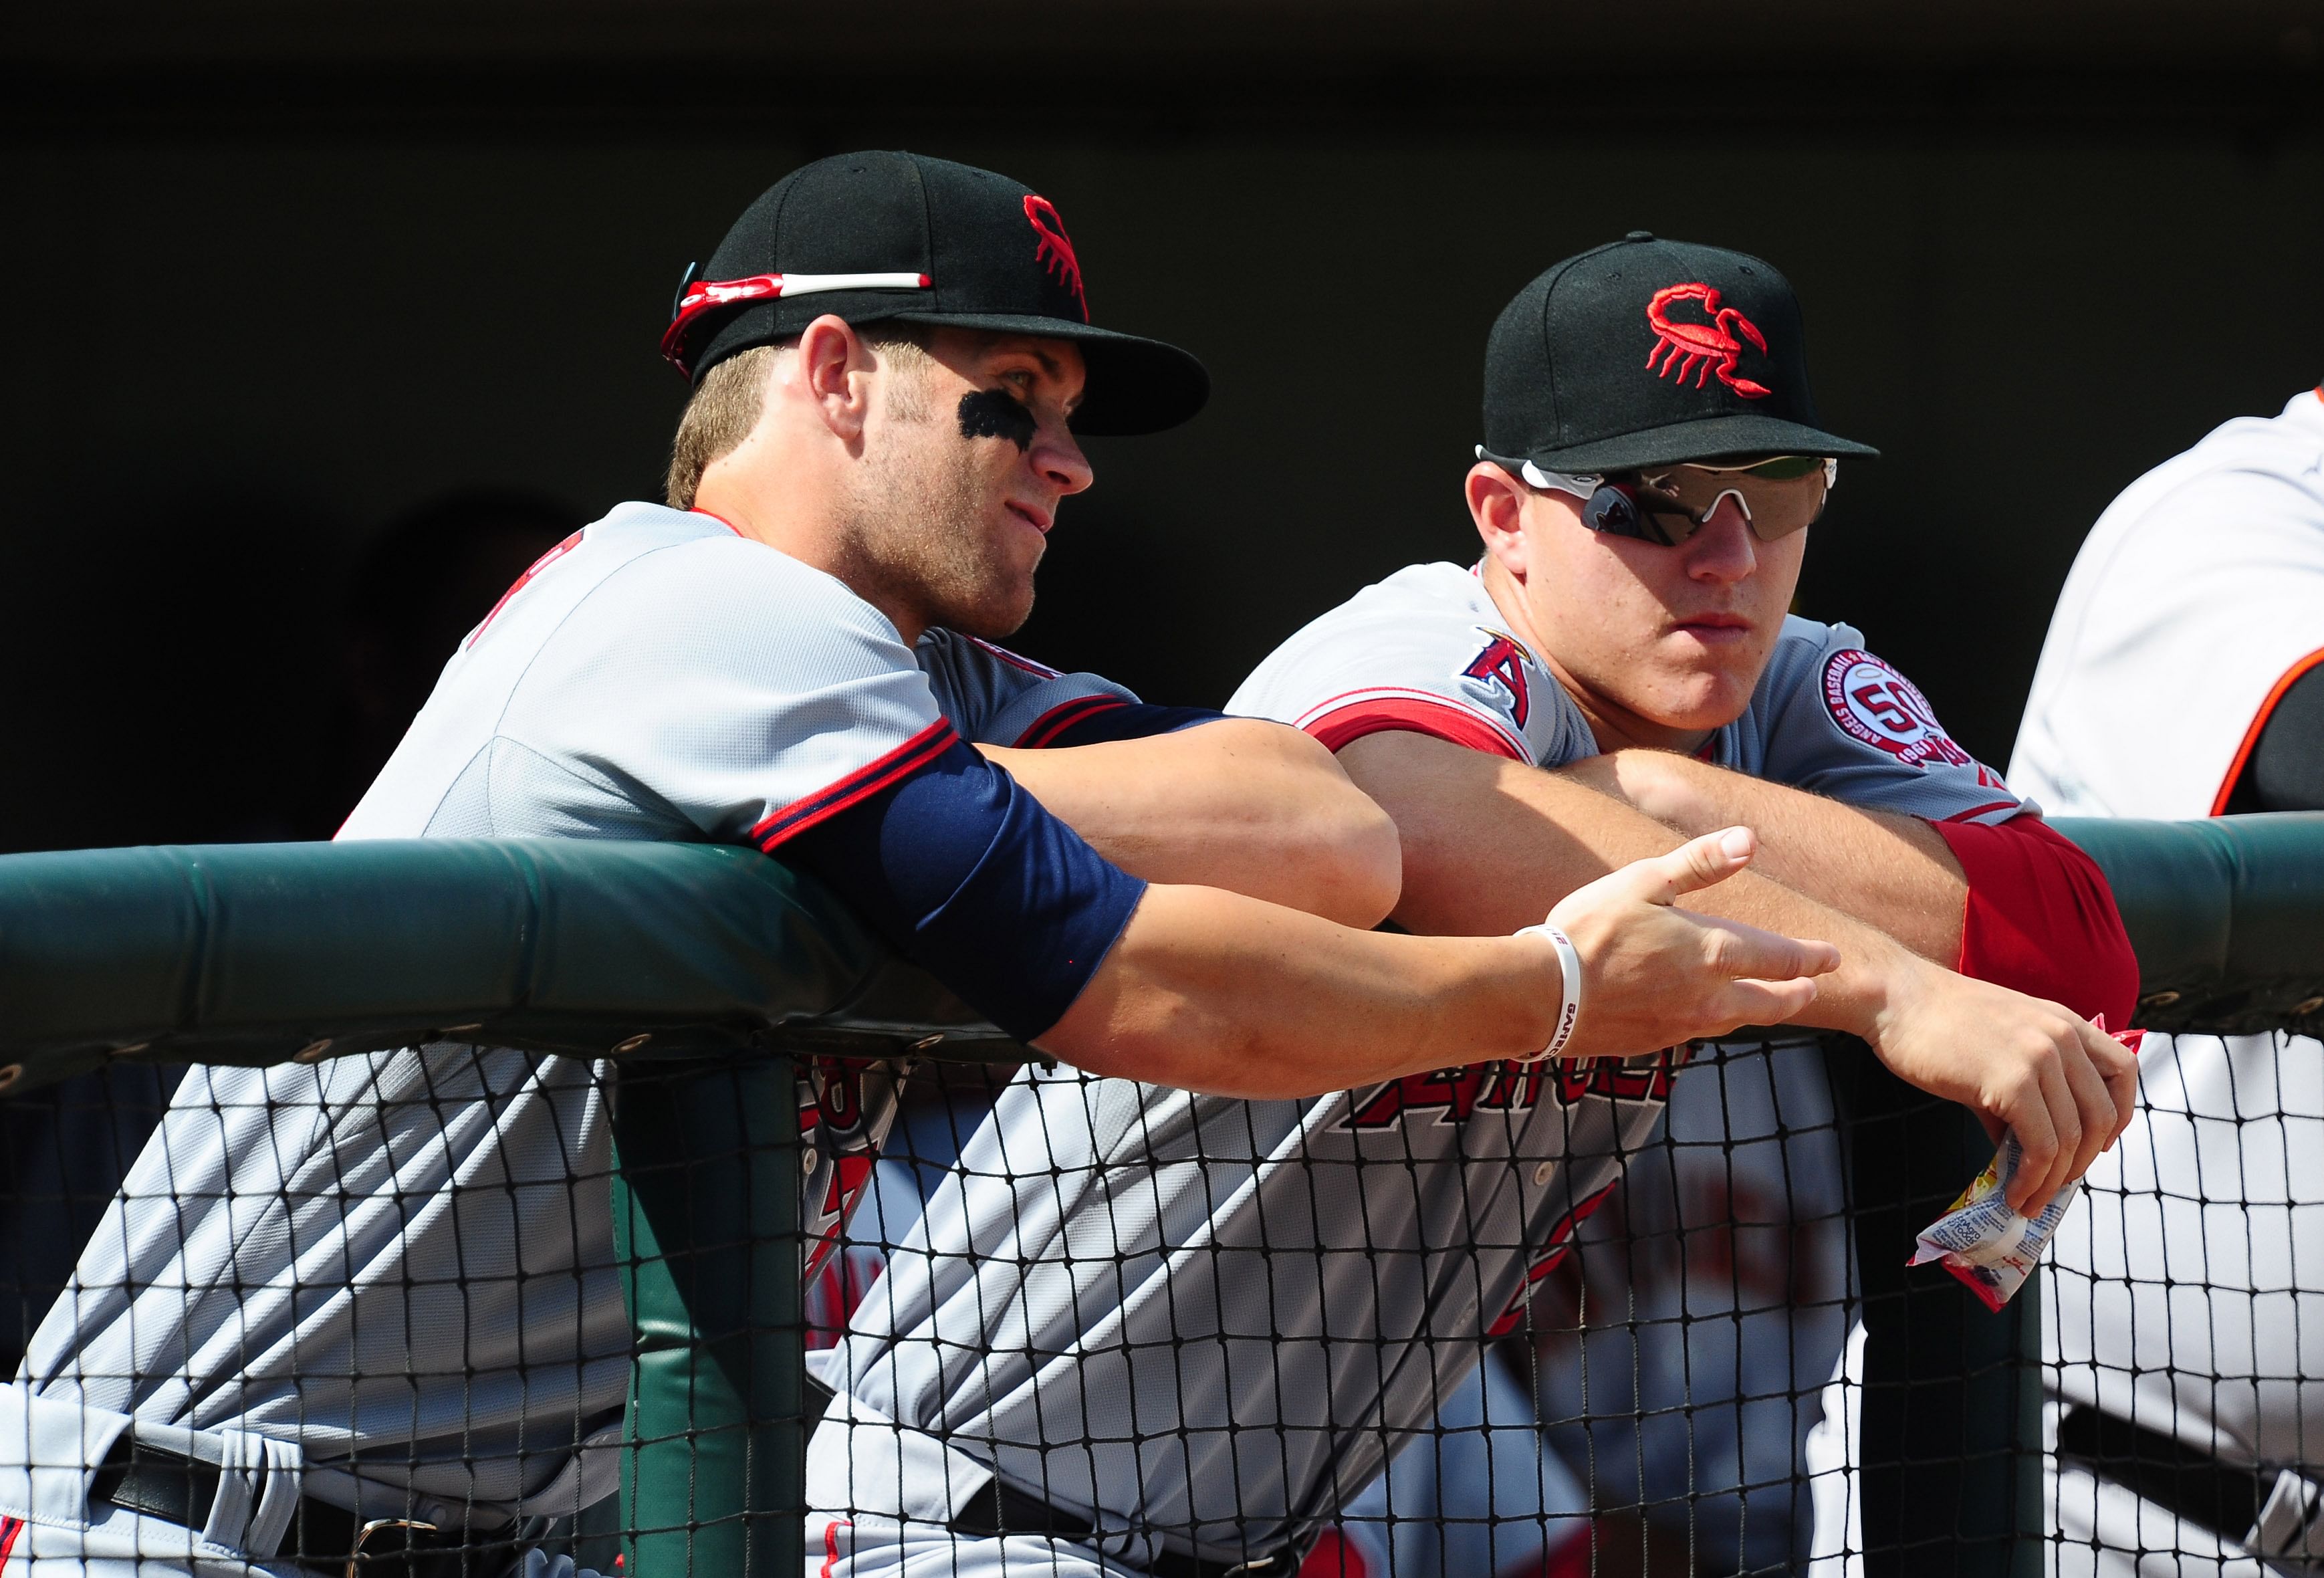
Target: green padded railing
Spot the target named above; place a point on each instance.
(259, 953)
(697, 959)
(262, 953)
(2226, 915)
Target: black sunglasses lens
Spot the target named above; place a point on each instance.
(1614, 511)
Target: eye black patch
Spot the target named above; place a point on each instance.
(995, 413)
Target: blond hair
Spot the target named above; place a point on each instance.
(727, 400)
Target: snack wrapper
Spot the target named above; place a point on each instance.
(1984, 1243)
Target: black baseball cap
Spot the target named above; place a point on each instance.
(892, 236)
(1647, 352)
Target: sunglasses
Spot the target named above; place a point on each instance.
(1779, 495)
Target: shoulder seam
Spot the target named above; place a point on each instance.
(604, 581)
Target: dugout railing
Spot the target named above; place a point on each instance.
(705, 973)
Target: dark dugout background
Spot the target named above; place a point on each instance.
(274, 275)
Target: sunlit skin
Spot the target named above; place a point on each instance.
(859, 467)
(869, 468)
(1661, 646)
(985, 539)
(1658, 646)
(863, 464)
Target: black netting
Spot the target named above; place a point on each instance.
(1333, 1365)
(306, 1298)
(2186, 1319)
(1492, 1321)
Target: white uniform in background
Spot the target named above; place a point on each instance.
(2187, 1293)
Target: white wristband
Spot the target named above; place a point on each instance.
(1569, 1009)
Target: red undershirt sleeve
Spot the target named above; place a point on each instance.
(2042, 920)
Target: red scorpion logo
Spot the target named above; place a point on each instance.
(1056, 250)
(1702, 348)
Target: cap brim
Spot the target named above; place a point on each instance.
(1715, 438)
(1136, 385)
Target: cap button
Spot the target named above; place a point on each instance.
(1639, 235)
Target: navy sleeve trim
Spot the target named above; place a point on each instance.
(967, 875)
(1044, 729)
(858, 785)
(1093, 720)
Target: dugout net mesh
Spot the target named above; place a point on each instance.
(1643, 1401)
(419, 1266)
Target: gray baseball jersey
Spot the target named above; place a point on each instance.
(400, 1268)
(1209, 1322)
(1426, 650)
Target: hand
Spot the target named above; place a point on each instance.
(2066, 1087)
(1654, 975)
(538, 1564)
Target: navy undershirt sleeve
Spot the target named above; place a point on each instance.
(965, 874)
(1096, 719)
(2286, 769)
(1134, 721)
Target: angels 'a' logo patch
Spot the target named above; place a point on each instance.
(1502, 663)
(1872, 702)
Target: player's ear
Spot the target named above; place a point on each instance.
(1497, 504)
(834, 369)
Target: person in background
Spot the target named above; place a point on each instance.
(2183, 675)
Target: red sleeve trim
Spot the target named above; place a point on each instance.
(863, 783)
(2259, 726)
(1414, 714)
(2041, 917)
(1015, 659)
(1044, 729)
(10, 1528)
(534, 569)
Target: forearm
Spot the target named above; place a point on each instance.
(1486, 840)
(1892, 872)
(1490, 845)
(1216, 992)
(1251, 807)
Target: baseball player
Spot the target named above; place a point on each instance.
(1170, 1331)
(370, 1306)
(2183, 675)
